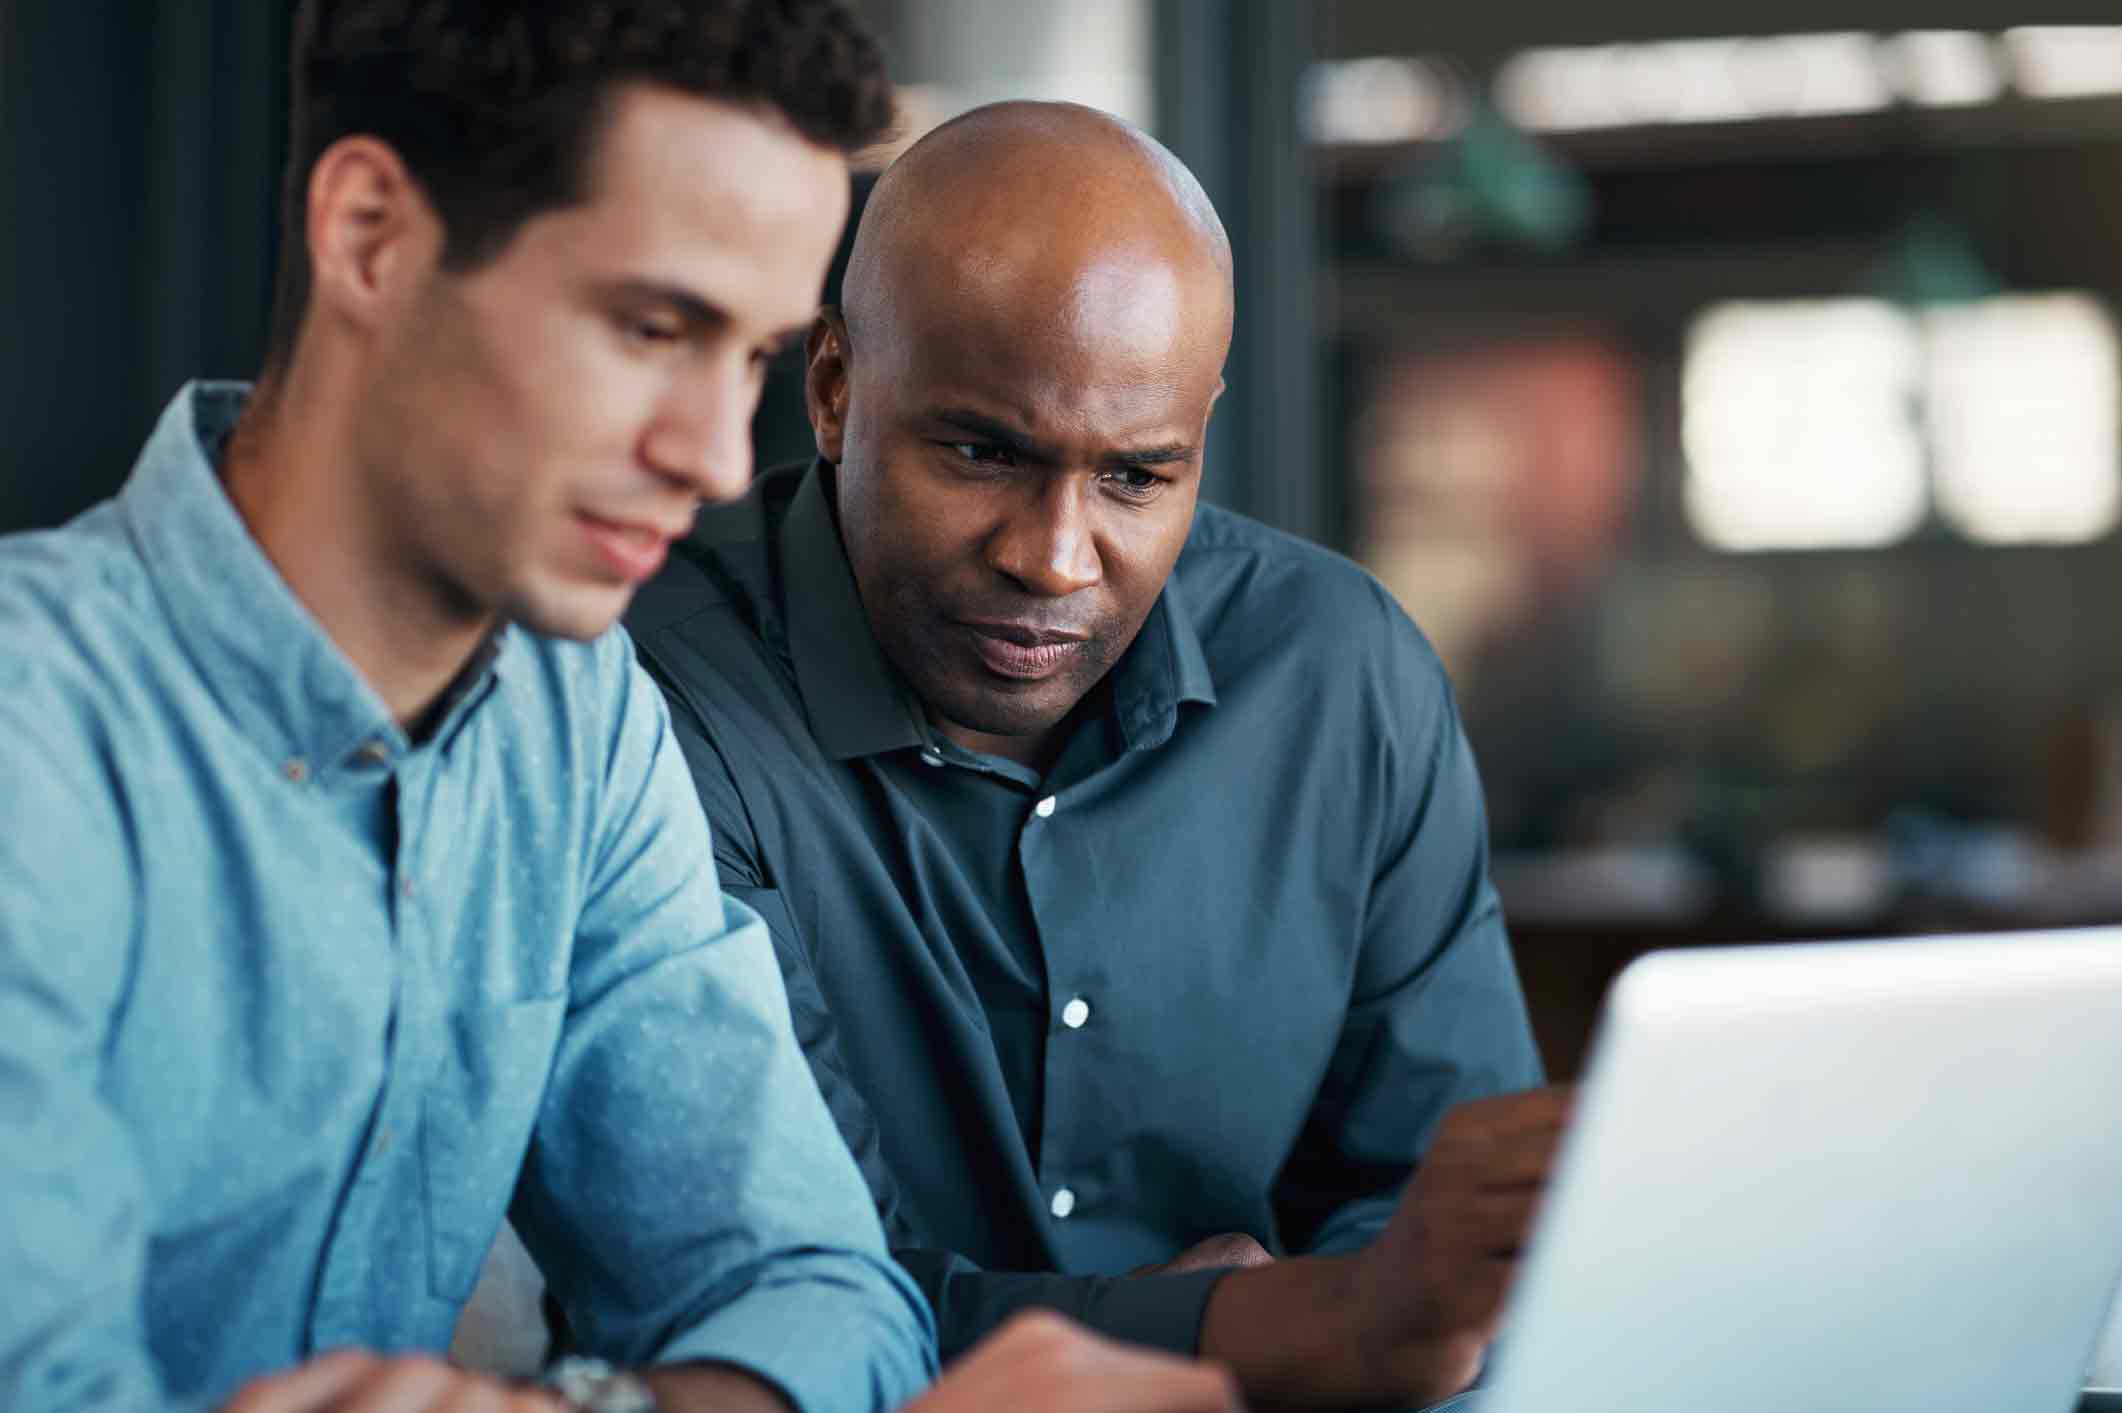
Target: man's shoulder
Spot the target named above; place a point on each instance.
(1250, 582)
(726, 563)
(74, 602)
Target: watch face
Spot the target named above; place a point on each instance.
(593, 1386)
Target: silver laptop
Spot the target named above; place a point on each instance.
(1870, 1176)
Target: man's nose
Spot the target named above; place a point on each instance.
(1048, 544)
(701, 435)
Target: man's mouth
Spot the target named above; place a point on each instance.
(1024, 652)
(631, 551)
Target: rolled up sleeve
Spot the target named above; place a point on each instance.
(686, 1192)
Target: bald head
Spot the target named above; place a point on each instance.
(1016, 391)
(1014, 202)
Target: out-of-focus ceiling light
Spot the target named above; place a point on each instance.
(1693, 81)
(1943, 68)
(1376, 101)
(1689, 81)
(2066, 61)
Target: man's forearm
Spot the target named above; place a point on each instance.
(1296, 1336)
(713, 1388)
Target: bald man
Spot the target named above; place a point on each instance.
(1125, 859)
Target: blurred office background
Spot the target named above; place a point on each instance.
(1731, 394)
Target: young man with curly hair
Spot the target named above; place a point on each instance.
(353, 896)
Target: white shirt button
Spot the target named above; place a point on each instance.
(1045, 808)
(931, 756)
(1064, 1203)
(1075, 1013)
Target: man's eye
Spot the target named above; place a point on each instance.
(1136, 482)
(980, 453)
(650, 331)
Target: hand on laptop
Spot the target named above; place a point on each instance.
(1407, 1319)
(1231, 1248)
(1041, 1363)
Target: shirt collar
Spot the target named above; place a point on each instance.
(269, 664)
(1163, 669)
(857, 703)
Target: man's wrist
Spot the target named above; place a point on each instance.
(1309, 1332)
(1288, 1331)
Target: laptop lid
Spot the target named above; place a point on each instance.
(1867, 1176)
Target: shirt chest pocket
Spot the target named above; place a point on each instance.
(476, 1117)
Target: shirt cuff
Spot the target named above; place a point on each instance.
(1163, 1312)
(823, 1357)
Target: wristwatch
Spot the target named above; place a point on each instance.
(593, 1386)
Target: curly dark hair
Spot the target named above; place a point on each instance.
(494, 107)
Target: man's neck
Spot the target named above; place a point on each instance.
(1036, 750)
(288, 469)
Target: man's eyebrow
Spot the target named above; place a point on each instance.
(689, 306)
(987, 429)
(1152, 455)
(1029, 448)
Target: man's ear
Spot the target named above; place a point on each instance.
(825, 376)
(372, 235)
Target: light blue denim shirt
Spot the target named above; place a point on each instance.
(293, 1009)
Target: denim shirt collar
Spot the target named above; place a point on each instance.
(857, 703)
(268, 662)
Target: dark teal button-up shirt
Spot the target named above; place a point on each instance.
(1222, 968)
(293, 1008)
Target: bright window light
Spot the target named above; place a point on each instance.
(2066, 61)
(1816, 424)
(2021, 406)
(1798, 424)
(1944, 68)
(1368, 101)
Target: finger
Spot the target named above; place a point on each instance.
(1479, 1161)
(469, 1394)
(410, 1385)
(1531, 1111)
(312, 1385)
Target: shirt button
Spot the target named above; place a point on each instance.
(373, 753)
(931, 756)
(1064, 1203)
(1075, 1013)
(295, 768)
(405, 887)
(382, 1145)
(1045, 808)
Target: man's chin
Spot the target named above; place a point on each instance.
(1031, 710)
(578, 612)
